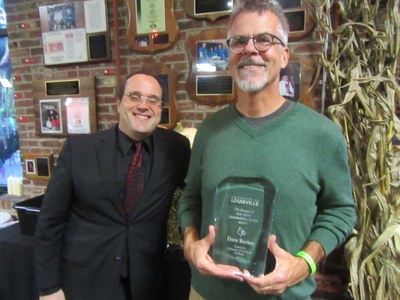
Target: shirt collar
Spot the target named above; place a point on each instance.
(125, 143)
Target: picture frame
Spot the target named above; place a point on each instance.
(66, 27)
(208, 9)
(209, 81)
(50, 116)
(64, 107)
(300, 72)
(152, 26)
(38, 165)
(30, 166)
(168, 80)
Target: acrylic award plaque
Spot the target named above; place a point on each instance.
(243, 218)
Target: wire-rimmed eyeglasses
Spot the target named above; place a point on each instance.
(138, 98)
(262, 42)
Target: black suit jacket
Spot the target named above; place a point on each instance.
(82, 228)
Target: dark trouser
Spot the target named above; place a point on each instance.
(176, 276)
(124, 290)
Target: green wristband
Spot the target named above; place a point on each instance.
(310, 262)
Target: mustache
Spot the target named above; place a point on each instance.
(245, 61)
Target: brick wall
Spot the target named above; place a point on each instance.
(28, 65)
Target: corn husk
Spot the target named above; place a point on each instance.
(361, 65)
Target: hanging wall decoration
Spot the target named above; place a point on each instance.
(296, 80)
(300, 20)
(75, 32)
(152, 25)
(209, 81)
(208, 9)
(64, 107)
(167, 78)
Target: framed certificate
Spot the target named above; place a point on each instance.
(152, 25)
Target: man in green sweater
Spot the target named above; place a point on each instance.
(262, 135)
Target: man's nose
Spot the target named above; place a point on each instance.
(250, 48)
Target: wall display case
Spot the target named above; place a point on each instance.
(168, 80)
(209, 81)
(75, 32)
(64, 107)
(152, 25)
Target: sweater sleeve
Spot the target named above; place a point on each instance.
(336, 209)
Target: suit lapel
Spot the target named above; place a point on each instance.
(105, 158)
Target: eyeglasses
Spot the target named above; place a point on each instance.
(137, 98)
(262, 42)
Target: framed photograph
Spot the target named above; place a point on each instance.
(289, 83)
(74, 32)
(38, 165)
(152, 25)
(64, 107)
(30, 166)
(50, 116)
(296, 79)
(208, 9)
(209, 81)
(212, 55)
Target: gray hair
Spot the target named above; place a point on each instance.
(262, 6)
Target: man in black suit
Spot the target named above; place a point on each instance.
(87, 247)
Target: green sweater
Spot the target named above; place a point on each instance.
(303, 154)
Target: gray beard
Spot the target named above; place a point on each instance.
(248, 86)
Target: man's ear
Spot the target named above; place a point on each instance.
(285, 57)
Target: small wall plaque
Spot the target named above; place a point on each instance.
(38, 165)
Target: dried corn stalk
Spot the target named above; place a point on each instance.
(361, 62)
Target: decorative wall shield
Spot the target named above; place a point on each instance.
(152, 25)
(209, 81)
(168, 80)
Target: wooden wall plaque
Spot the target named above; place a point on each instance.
(209, 81)
(168, 79)
(152, 25)
(64, 107)
(208, 9)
